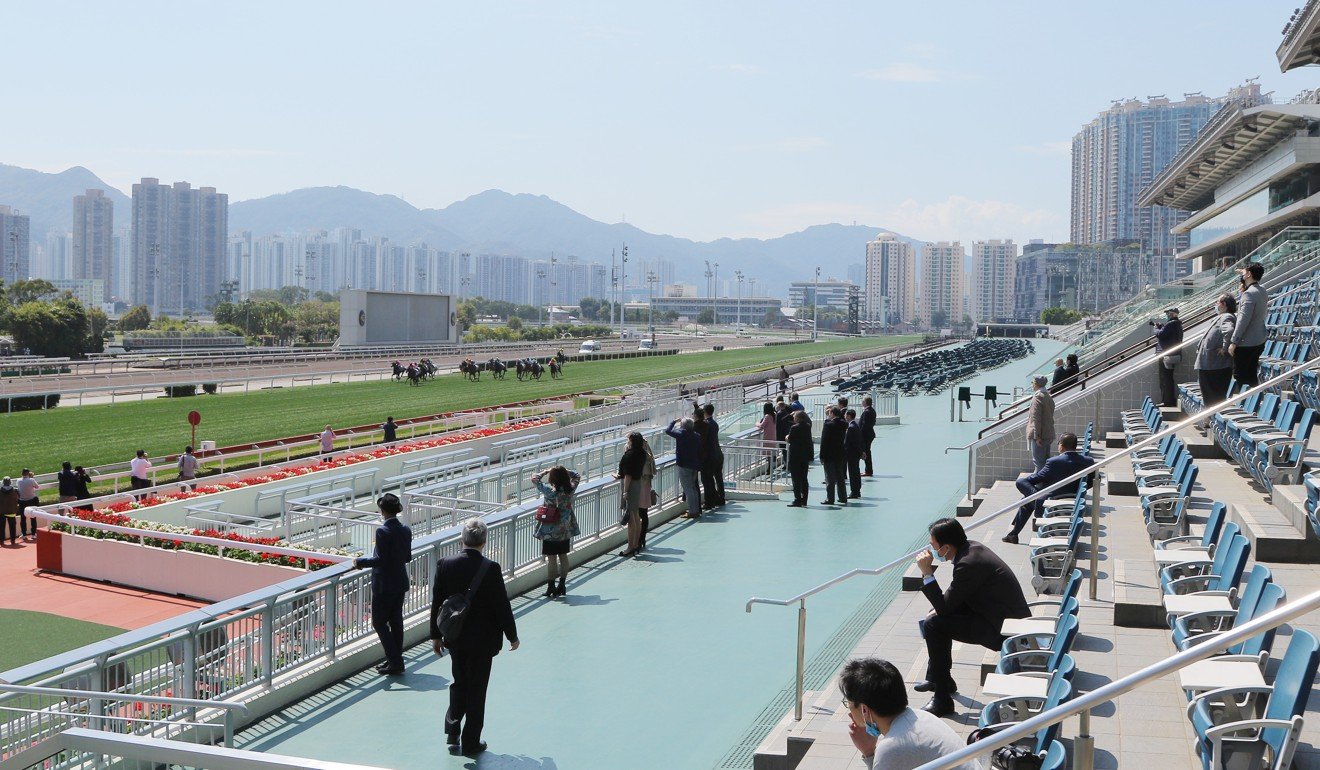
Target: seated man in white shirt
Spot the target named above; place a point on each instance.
(890, 735)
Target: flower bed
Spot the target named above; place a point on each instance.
(117, 514)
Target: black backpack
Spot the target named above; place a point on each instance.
(454, 610)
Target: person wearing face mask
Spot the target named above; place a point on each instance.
(982, 593)
(1248, 338)
(889, 734)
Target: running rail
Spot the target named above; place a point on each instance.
(1083, 704)
(801, 599)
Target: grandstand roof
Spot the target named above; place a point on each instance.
(1301, 39)
(1231, 140)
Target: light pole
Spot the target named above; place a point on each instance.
(739, 275)
(155, 279)
(651, 280)
(815, 305)
(540, 276)
(709, 291)
(13, 255)
(463, 281)
(554, 284)
(623, 288)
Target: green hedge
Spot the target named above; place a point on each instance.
(29, 403)
(177, 391)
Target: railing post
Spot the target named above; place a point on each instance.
(801, 659)
(189, 661)
(1084, 744)
(1095, 534)
(332, 618)
(229, 728)
(268, 641)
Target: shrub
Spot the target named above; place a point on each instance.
(29, 403)
(209, 388)
(177, 391)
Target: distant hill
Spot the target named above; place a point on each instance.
(47, 199)
(532, 226)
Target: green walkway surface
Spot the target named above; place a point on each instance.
(652, 662)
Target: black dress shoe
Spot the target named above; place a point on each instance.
(472, 751)
(829, 502)
(388, 671)
(940, 708)
(451, 739)
(1010, 539)
(927, 686)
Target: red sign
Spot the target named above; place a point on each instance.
(194, 418)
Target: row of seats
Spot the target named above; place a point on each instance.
(1059, 527)
(1267, 436)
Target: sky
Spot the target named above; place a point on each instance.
(947, 120)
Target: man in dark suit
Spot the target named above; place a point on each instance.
(1068, 462)
(868, 432)
(389, 582)
(854, 446)
(982, 592)
(801, 451)
(489, 618)
(832, 435)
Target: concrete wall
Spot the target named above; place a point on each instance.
(376, 317)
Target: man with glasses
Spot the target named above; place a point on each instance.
(889, 734)
(389, 582)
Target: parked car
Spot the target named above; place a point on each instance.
(589, 348)
(647, 343)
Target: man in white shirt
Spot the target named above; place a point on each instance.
(139, 470)
(890, 735)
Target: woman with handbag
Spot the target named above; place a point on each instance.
(636, 469)
(556, 524)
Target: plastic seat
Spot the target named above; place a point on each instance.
(1219, 574)
(1214, 525)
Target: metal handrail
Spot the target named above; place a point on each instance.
(1176, 662)
(162, 752)
(801, 599)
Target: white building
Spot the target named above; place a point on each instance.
(891, 280)
(832, 293)
(942, 270)
(992, 279)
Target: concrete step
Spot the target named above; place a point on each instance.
(1120, 479)
(1201, 446)
(1273, 536)
(1290, 499)
(782, 749)
(1137, 596)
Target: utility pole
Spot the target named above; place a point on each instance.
(553, 282)
(155, 279)
(815, 306)
(710, 292)
(651, 280)
(614, 284)
(540, 276)
(739, 275)
(623, 288)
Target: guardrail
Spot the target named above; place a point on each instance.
(906, 559)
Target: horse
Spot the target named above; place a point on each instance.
(399, 370)
(556, 369)
(535, 369)
(414, 374)
(560, 357)
(470, 369)
(428, 368)
(521, 368)
(497, 368)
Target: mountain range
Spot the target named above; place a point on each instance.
(495, 221)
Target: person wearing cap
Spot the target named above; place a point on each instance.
(9, 510)
(1168, 335)
(389, 582)
(28, 490)
(1040, 423)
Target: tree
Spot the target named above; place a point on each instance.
(938, 319)
(515, 324)
(590, 306)
(57, 329)
(1059, 316)
(467, 314)
(22, 292)
(97, 323)
(135, 319)
(771, 318)
(706, 316)
(315, 321)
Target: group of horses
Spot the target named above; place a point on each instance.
(526, 368)
(415, 372)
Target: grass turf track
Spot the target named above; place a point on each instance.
(106, 433)
(26, 636)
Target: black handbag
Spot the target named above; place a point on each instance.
(1015, 758)
(454, 610)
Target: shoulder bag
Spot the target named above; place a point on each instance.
(455, 609)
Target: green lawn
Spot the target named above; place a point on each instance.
(26, 636)
(95, 435)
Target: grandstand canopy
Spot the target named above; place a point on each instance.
(1301, 39)
(1232, 139)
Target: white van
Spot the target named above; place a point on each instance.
(647, 343)
(589, 347)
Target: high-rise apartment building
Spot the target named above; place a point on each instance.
(15, 245)
(942, 271)
(502, 277)
(1116, 155)
(56, 259)
(1088, 279)
(890, 280)
(992, 279)
(94, 240)
(180, 242)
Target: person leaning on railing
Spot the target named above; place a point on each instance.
(389, 582)
(636, 470)
(1168, 335)
(801, 451)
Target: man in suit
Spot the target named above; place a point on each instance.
(1168, 336)
(389, 582)
(712, 468)
(868, 432)
(1067, 462)
(1248, 338)
(801, 449)
(832, 436)
(488, 620)
(982, 593)
(854, 447)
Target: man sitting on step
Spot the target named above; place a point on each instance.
(1068, 462)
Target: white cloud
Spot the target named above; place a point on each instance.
(1046, 148)
(903, 72)
(797, 144)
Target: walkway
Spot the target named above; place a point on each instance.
(652, 663)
